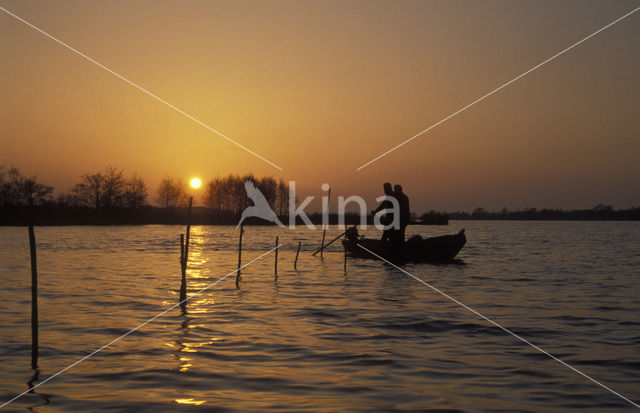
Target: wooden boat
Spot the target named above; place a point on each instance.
(416, 249)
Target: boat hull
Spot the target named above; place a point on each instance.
(436, 249)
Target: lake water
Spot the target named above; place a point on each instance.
(320, 339)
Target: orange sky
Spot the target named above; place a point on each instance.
(320, 88)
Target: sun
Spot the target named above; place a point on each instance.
(195, 183)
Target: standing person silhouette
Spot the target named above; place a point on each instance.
(388, 217)
(405, 215)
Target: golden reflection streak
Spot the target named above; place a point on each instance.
(201, 306)
(196, 258)
(190, 400)
(185, 367)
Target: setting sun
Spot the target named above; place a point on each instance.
(195, 183)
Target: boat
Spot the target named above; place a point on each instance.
(440, 249)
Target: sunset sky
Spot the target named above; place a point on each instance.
(320, 88)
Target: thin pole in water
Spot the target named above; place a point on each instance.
(184, 252)
(183, 269)
(275, 268)
(239, 256)
(186, 246)
(181, 249)
(345, 259)
(295, 263)
(34, 298)
(324, 230)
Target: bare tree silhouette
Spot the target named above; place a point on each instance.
(90, 189)
(135, 192)
(19, 190)
(171, 192)
(228, 195)
(108, 189)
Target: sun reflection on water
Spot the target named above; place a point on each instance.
(197, 261)
(185, 363)
(190, 400)
(187, 341)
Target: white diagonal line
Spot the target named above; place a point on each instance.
(500, 327)
(498, 88)
(138, 327)
(140, 88)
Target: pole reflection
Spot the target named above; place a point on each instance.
(187, 343)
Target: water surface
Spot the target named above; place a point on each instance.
(320, 339)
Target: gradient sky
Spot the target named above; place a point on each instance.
(320, 88)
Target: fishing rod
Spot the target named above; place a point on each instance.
(333, 240)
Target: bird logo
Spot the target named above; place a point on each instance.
(260, 207)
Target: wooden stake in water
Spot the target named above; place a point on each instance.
(345, 259)
(183, 268)
(275, 268)
(239, 256)
(186, 245)
(181, 249)
(184, 252)
(295, 263)
(34, 298)
(324, 229)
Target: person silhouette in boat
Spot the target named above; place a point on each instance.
(405, 214)
(387, 218)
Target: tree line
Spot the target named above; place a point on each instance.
(229, 195)
(18, 190)
(110, 196)
(111, 189)
(599, 212)
(226, 195)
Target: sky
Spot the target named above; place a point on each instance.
(320, 88)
